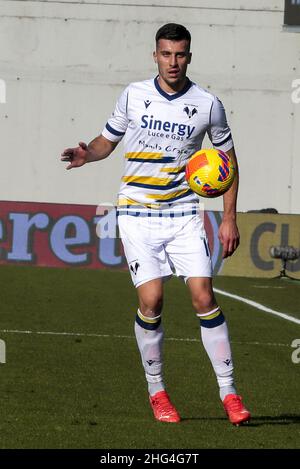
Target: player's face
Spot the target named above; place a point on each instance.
(172, 58)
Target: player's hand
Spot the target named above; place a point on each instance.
(76, 156)
(229, 237)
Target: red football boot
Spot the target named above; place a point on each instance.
(163, 409)
(235, 409)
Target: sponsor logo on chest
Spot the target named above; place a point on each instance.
(182, 130)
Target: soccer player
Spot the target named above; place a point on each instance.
(163, 122)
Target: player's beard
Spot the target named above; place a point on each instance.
(175, 83)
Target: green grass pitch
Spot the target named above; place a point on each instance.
(88, 390)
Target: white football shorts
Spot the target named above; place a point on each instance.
(157, 247)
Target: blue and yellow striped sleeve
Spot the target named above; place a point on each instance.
(117, 124)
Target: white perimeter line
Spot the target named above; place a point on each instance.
(221, 292)
(115, 336)
(258, 306)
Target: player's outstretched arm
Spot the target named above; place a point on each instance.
(96, 150)
(228, 232)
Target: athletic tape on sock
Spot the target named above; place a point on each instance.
(147, 323)
(211, 319)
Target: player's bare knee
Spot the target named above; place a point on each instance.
(151, 307)
(203, 303)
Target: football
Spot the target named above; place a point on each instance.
(210, 172)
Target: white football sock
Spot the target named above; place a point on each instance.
(149, 335)
(215, 338)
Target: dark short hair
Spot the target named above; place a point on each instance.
(174, 32)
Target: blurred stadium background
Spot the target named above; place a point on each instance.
(63, 63)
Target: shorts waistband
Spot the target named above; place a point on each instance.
(158, 214)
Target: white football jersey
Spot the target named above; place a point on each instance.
(161, 131)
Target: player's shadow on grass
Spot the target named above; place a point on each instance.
(258, 421)
(282, 419)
